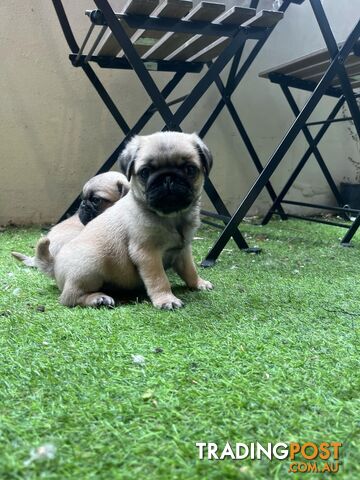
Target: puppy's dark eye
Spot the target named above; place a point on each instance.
(190, 170)
(145, 173)
(95, 200)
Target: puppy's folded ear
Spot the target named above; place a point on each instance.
(128, 155)
(204, 153)
(123, 189)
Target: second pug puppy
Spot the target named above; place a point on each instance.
(99, 193)
(147, 231)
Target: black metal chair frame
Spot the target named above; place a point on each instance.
(342, 209)
(323, 87)
(105, 16)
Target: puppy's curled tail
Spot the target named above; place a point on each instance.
(28, 261)
(44, 261)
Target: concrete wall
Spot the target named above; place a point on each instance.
(56, 132)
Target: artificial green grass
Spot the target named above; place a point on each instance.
(271, 355)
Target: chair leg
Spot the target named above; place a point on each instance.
(315, 150)
(303, 161)
(345, 242)
(222, 210)
(333, 48)
(246, 139)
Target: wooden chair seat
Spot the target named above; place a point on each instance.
(312, 67)
(155, 45)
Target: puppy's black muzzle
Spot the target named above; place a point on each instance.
(88, 211)
(169, 191)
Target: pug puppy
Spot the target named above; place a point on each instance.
(149, 230)
(98, 194)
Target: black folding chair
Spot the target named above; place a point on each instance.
(334, 78)
(174, 36)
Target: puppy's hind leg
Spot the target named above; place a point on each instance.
(72, 296)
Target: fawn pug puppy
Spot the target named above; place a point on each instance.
(98, 194)
(147, 231)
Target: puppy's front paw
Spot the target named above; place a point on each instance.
(167, 302)
(204, 285)
(100, 300)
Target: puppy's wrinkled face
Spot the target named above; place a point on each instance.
(100, 192)
(167, 170)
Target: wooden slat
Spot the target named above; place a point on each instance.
(356, 84)
(352, 62)
(354, 80)
(234, 16)
(140, 7)
(312, 70)
(265, 18)
(289, 68)
(352, 66)
(313, 66)
(167, 9)
(110, 46)
(203, 12)
(211, 51)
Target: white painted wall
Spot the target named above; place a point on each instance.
(55, 132)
